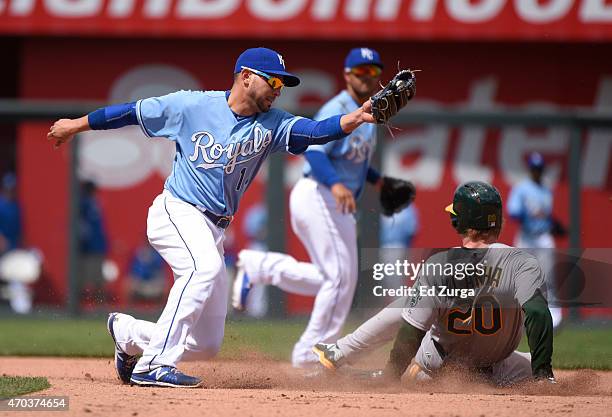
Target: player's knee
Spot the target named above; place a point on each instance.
(344, 280)
(336, 274)
(210, 268)
(203, 352)
(251, 253)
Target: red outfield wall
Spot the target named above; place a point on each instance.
(477, 75)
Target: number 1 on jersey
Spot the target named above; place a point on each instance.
(241, 179)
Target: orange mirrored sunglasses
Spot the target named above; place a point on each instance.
(272, 80)
(366, 70)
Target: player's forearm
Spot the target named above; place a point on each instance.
(405, 347)
(306, 132)
(113, 117)
(352, 121)
(539, 329)
(64, 130)
(75, 126)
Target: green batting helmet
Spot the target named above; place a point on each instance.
(476, 205)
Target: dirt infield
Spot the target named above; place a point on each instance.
(254, 387)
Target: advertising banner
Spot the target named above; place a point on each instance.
(566, 20)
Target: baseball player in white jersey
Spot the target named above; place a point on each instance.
(471, 314)
(222, 138)
(322, 206)
(531, 204)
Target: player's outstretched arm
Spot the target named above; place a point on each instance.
(111, 117)
(64, 130)
(539, 329)
(353, 120)
(307, 132)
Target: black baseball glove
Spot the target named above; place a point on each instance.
(558, 229)
(395, 95)
(395, 195)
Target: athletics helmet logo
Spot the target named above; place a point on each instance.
(492, 220)
(281, 60)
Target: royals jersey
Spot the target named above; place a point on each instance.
(533, 203)
(351, 155)
(480, 329)
(217, 152)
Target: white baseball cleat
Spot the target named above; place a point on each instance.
(329, 355)
(240, 289)
(124, 363)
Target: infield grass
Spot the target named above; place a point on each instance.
(89, 338)
(12, 386)
(575, 347)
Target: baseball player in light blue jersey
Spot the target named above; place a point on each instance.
(531, 204)
(322, 206)
(222, 138)
(396, 235)
(399, 230)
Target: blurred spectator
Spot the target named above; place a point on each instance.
(396, 235)
(93, 243)
(255, 228)
(10, 215)
(230, 255)
(230, 252)
(18, 293)
(398, 231)
(147, 276)
(531, 205)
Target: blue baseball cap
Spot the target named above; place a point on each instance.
(268, 61)
(535, 161)
(362, 56)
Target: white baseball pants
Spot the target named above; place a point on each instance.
(192, 323)
(330, 238)
(542, 247)
(513, 369)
